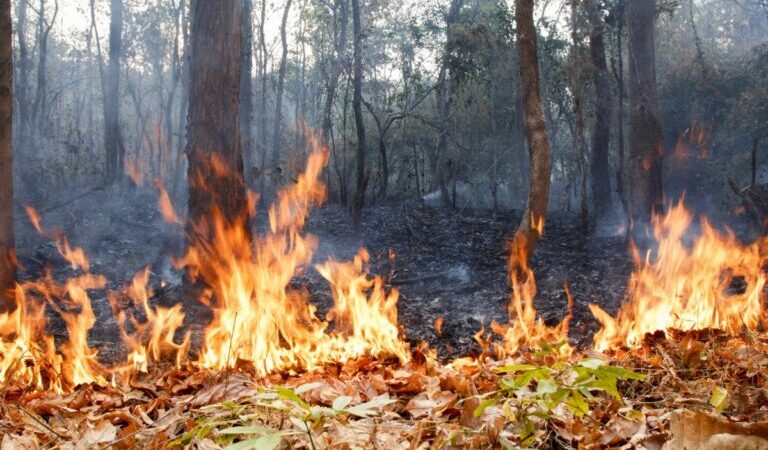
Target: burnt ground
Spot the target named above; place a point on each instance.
(449, 264)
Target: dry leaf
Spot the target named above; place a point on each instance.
(702, 431)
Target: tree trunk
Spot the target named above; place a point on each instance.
(7, 252)
(276, 141)
(645, 135)
(601, 179)
(112, 100)
(618, 69)
(336, 69)
(527, 234)
(212, 123)
(578, 82)
(444, 99)
(246, 89)
(22, 83)
(357, 105)
(263, 144)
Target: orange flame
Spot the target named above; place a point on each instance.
(688, 288)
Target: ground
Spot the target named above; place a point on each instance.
(448, 264)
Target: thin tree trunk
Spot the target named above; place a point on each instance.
(578, 82)
(645, 135)
(444, 99)
(22, 83)
(7, 247)
(246, 87)
(527, 234)
(276, 141)
(618, 69)
(263, 117)
(601, 179)
(336, 69)
(212, 124)
(111, 103)
(357, 105)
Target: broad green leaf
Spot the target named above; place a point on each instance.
(288, 394)
(546, 386)
(621, 373)
(266, 442)
(366, 409)
(719, 399)
(577, 404)
(341, 402)
(484, 404)
(526, 378)
(592, 363)
(515, 368)
(250, 429)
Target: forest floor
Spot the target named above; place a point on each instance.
(449, 264)
(700, 389)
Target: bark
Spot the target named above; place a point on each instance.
(600, 169)
(444, 100)
(212, 122)
(7, 252)
(645, 134)
(40, 105)
(578, 82)
(246, 89)
(357, 105)
(618, 71)
(336, 68)
(276, 141)
(112, 100)
(22, 83)
(527, 235)
(263, 111)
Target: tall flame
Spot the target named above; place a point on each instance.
(716, 283)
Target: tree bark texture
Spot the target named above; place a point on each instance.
(215, 170)
(7, 252)
(528, 231)
(357, 105)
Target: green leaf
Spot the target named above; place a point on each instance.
(546, 386)
(304, 388)
(251, 429)
(484, 404)
(341, 402)
(719, 399)
(592, 363)
(515, 368)
(607, 385)
(366, 409)
(526, 378)
(266, 442)
(288, 394)
(577, 404)
(621, 373)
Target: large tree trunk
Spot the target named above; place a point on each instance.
(645, 135)
(246, 89)
(601, 179)
(527, 234)
(7, 253)
(111, 102)
(357, 104)
(212, 123)
(276, 141)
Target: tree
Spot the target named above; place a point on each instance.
(112, 140)
(600, 170)
(528, 231)
(276, 141)
(246, 79)
(645, 135)
(213, 141)
(357, 104)
(7, 252)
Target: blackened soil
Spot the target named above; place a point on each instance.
(449, 264)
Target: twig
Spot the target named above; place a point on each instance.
(43, 424)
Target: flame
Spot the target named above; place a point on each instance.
(165, 206)
(525, 328)
(688, 288)
(259, 318)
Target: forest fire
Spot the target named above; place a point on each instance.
(258, 318)
(717, 283)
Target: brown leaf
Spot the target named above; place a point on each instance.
(703, 431)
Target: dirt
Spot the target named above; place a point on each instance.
(448, 264)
